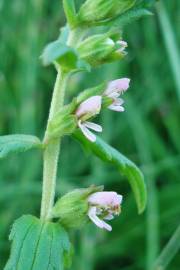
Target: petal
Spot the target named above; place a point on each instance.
(118, 101)
(93, 126)
(92, 215)
(116, 108)
(107, 226)
(118, 85)
(88, 134)
(91, 106)
(120, 198)
(103, 198)
(114, 95)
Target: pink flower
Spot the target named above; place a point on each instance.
(87, 109)
(114, 90)
(103, 206)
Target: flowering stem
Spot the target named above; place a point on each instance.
(52, 150)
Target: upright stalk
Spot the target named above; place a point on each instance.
(52, 150)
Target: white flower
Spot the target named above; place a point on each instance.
(87, 109)
(114, 90)
(103, 206)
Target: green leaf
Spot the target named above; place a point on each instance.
(63, 55)
(37, 245)
(125, 166)
(128, 17)
(17, 143)
(57, 51)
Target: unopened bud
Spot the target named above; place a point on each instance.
(96, 48)
(94, 11)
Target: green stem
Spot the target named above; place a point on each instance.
(52, 150)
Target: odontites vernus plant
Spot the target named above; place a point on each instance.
(42, 243)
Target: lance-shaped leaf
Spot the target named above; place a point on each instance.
(17, 143)
(129, 17)
(125, 166)
(37, 245)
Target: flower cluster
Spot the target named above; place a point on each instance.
(92, 106)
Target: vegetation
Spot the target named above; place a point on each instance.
(148, 133)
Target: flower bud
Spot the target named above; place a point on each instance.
(72, 208)
(95, 48)
(99, 49)
(94, 11)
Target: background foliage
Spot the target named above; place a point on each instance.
(148, 132)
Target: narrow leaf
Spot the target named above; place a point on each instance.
(125, 166)
(37, 245)
(128, 17)
(17, 143)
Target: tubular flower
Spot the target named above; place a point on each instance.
(114, 90)
(87, 109)
(103, 206)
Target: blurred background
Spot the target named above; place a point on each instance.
(148, 132)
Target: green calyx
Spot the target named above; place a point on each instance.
(93, 12)
(72, 208)
(99, 49)
(63, 123)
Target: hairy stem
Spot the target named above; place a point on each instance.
(52, 150)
